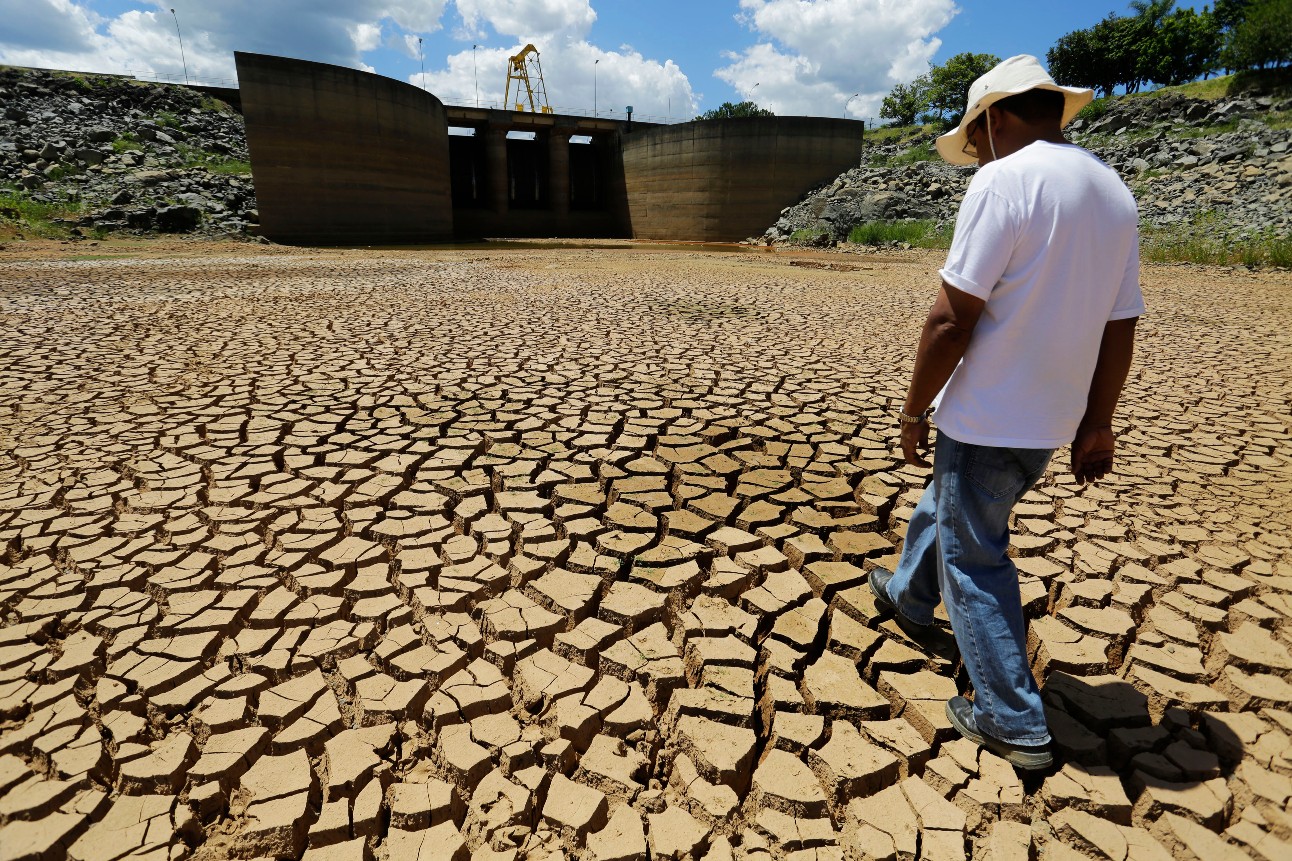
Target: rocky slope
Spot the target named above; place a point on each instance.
(101, 154)
(1224, 166)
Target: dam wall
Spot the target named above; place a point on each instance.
(725, 180)
(343, 157)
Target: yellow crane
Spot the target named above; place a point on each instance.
(519, 70)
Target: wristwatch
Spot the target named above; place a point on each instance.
(914, 420)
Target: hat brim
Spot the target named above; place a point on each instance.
(951, 145)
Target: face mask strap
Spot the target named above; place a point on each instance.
(990, 142)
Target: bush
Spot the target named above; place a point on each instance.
(1095, 109)
(917, 153)
(807, 235)
(215, 162)
(923, 233)
(729, 111)
(21, 211)
(1262, 38)
(1204, 241)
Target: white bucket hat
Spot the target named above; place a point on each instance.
(1008, 78)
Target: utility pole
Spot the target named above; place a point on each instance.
(180, 36)
(421, 62)
(595, 63)
(475, 71)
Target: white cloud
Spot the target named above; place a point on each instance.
(654, 89)
(365, 36)
(579, 75)
(68, 34)
(51, 25)
(815, 54)
(528, 18)
(408, 45)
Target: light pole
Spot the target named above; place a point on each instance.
(848, 102)
(475, 72)
(595, 63)
(421, 62)
(751, 92)
(181, 45)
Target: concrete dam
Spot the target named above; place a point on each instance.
(344, 157)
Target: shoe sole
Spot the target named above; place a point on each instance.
(1016, 758)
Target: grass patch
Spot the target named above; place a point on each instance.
(1206, 131)
(127, 143)
(1277, 119)
(894, 134)
(1212, 89)
(231, 166)
(167, 119)
(808, 234)
(1253, 253)
(1203, 241)
(919, 152)
(214, 162)
(1094, 110)
(1275, 82)
(923, 233)
(19, 213)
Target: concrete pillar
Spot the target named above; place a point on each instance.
(558, 174)
(499, 182)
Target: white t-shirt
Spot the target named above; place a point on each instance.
(1048, 237)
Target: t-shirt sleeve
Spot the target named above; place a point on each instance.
(986, 230)
(1130, 300)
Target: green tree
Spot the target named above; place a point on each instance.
(1102, 58)
(1178, 47)
(906, 102)
(727, 111)
(1076, 60)
(1120, 40)
(1230, 13)
(948, 90)
(1263, 36)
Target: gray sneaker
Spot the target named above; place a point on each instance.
(1026, 757)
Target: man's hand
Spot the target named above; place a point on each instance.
(915, 436)
(1092, 453)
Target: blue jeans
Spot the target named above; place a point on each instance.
(955, 551)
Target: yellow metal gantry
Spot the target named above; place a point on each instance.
(518, 70)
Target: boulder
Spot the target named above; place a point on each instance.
(178, 219)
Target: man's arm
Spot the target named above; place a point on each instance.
(1092, 450)
(943, 342)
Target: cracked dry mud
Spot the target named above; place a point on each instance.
(548, 554)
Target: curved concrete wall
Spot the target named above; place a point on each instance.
(726, 180)
(344, 157)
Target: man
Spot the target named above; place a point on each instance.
(1026, 349)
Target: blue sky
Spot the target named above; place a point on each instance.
(669, 58)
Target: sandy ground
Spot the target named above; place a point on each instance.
(527, 553)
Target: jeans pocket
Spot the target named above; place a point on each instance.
(995, 471)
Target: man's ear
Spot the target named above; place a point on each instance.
(999, 118)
